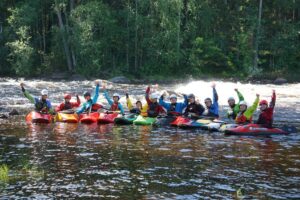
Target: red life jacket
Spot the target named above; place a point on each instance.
(241, 119)
(266, 118)
(114, 107)
(96, 107)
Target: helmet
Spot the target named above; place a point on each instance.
(86, 94)
(243, 103)
(191, 96)
(173, 96)
(231, 99)
(116, 95)
(44, 92)
(263, 102)
(154, 96)
(67, 96)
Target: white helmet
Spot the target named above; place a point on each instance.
(116, 95)
(154, 96)
(44, 92)
(243, 103)
(173, 96)
(231, 99)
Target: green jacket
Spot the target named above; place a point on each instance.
(236, 109)
(38, 103)
(246, 117)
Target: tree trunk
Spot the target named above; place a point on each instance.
(64, 40)
(136, 41)
(178, 36)
(255, 61)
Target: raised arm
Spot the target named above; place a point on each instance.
(249, 112)
(128, 102)
(147, 95)
(273, 100)
(96, 95)
(163, 103)
(108, 98)
(240, 96)
(78, 100)
(215, 94)
(26, 94)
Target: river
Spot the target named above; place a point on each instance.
(139, 162)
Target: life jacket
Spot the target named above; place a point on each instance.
(241, 119)
(194, 108)
(95, 107)
(67, 106)
(114, 107)
(266, 118)
(135, 111)
(40, 105)
(153, 110)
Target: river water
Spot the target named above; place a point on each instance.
(139, 162)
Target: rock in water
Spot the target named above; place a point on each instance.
(280, 81)
(3, 116)
(14, 112)
(120, 79)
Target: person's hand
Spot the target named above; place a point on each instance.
(97, 82)
(273, 91)
(22, 84)
(235, 89)
(257, 95)
(213, 85)
(197, 101)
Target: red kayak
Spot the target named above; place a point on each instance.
(255, 130)
(36, 117)
(88, 118)
(180, 120)
(107, 118)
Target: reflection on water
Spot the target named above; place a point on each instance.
(143, 162)
(140, 162)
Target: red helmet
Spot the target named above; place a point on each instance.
(263, 102)
(67, 96)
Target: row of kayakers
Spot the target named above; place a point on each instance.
(156, 105)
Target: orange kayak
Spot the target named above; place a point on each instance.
(68, 118)
(36, 117)
(106, 118)
(89, 118)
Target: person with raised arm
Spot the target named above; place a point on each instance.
(265, 118)
(41, 104)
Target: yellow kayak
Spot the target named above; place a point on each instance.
(66, 117)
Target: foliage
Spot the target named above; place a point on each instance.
(140, 38)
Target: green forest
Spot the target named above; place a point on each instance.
(150, 38)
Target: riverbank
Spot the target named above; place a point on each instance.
(263, 79)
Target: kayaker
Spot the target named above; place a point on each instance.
(212, 106)
(245, 114)
(234, 107)
(91, 103)
(139, 107)
(194, 109)
(42, 104)
(67, 104)
(174, 107)
(265, 118)
(114, 103)
(154, 109)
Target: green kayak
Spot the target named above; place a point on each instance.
(125, 120)
(140, 120)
